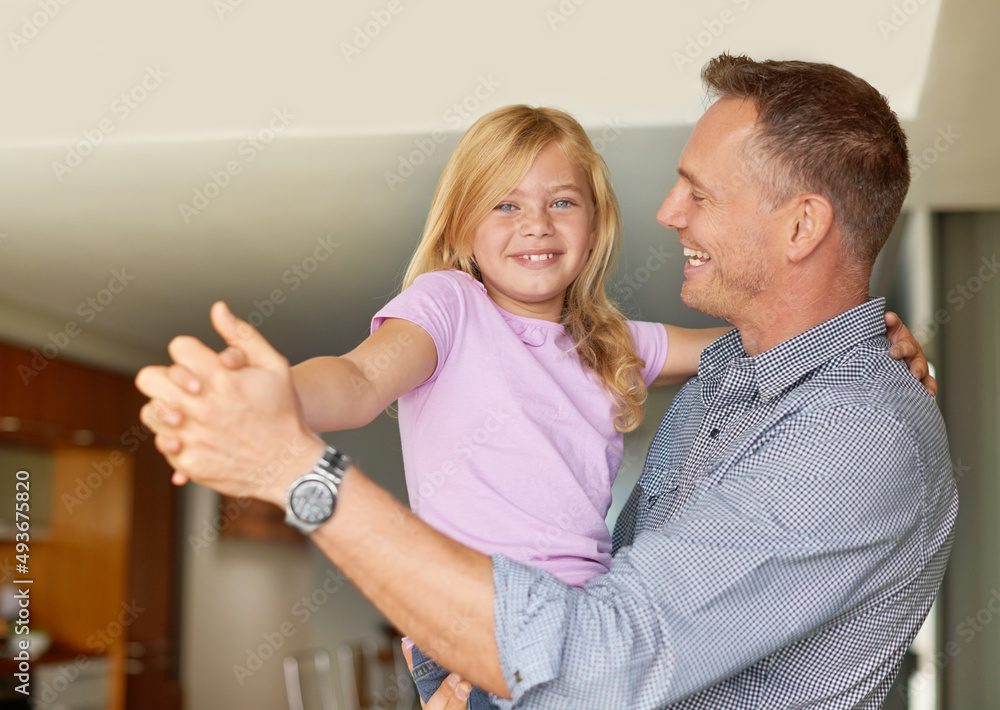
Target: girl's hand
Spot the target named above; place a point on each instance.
(905, 347)
(453, 693)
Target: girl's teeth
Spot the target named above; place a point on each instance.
(537, 257)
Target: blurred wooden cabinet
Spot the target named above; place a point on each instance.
(106, 569)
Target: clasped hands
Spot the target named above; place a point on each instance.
(231, 420)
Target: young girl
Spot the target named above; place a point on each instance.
(515, 375)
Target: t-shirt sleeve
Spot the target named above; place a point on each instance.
(435, 302)
(651, 345)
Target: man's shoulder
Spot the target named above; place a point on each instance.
(866, 376)
(864, 384)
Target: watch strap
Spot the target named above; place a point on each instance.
(332, 464)
(330, 469)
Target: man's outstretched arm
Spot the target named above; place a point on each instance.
(747, 570)
(240, 432)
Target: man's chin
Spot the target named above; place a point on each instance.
(704, 303)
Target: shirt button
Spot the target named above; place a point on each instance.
(517, 676)
(652, 500)
(714, 433)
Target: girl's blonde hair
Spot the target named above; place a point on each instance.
(491, 160)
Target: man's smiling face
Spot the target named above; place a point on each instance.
(718, 216)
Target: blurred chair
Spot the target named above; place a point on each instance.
(348, 671)
(367, 677)
(408, 698)
(308, 681)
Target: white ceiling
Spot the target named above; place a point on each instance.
(214, 79)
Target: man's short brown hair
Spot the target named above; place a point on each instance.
(821, 129)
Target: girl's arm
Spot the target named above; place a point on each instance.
(347, 392)
(686, 344)
(684, 352)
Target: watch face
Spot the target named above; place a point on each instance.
(312, 502)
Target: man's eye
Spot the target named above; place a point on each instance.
(696, 198)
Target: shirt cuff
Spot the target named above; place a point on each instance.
(530, 608)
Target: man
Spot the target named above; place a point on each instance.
(793, 520)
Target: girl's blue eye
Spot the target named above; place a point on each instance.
(562, 203)
(505, 207)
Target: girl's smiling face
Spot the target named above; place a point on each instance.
(535, 242)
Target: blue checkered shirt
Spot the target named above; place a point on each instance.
(782, 547)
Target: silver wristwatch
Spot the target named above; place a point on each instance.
(312, 498)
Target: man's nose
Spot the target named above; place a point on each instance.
(671, 213)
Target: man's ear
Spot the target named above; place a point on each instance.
(811, 218)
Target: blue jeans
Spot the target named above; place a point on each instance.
(428, 676)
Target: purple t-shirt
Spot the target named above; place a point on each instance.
(509, 446)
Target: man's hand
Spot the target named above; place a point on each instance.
(236, 430)
(452, 694)
(906, 347)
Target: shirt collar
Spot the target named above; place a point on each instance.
(786, 363)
